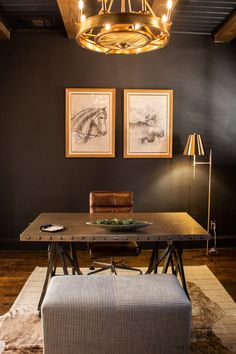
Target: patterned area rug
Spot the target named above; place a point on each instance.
(213, 321)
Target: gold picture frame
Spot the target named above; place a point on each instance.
(148, 123)
(90, 122)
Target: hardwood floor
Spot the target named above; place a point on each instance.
(16, 266)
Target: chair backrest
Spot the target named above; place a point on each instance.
(110, 202)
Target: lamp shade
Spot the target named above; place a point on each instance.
(194, 145)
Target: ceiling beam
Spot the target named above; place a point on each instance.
(4, 32)
(69, 13)
(159, 6)
(227, 32)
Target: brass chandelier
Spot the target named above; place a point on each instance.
(124, 32)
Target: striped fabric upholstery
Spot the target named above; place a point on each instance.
(143, 314)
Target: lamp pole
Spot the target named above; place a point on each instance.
(194, 147)
(209, 163)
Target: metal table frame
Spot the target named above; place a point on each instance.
(171, 228)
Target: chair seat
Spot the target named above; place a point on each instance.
(99, 249)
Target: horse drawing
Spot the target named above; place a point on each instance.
(89, 123)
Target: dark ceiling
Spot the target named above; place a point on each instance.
(201, 16)
(190, 16)
(31, 14)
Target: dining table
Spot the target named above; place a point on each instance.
(174, 230)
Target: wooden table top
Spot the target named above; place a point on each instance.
(166, 227)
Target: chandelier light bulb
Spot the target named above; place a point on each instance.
(137, 26)
(169, 4)
(83, 18)
(107, 26)
(164, 18)
(81, 4)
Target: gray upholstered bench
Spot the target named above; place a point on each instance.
(143, 314)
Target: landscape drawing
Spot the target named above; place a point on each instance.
(147, 124)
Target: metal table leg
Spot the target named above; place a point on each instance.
(173, 252)
(73, 260)
(51, 264)
(56, 250)
(153, 259)
(156, 262)
(178, 256)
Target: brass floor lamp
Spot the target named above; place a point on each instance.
(194, 147)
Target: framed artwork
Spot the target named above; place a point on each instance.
(148, 123)
(90, 122)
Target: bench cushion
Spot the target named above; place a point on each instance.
(143, 314)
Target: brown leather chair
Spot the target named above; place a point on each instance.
(112, 202)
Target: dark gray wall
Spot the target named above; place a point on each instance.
(35, 175)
